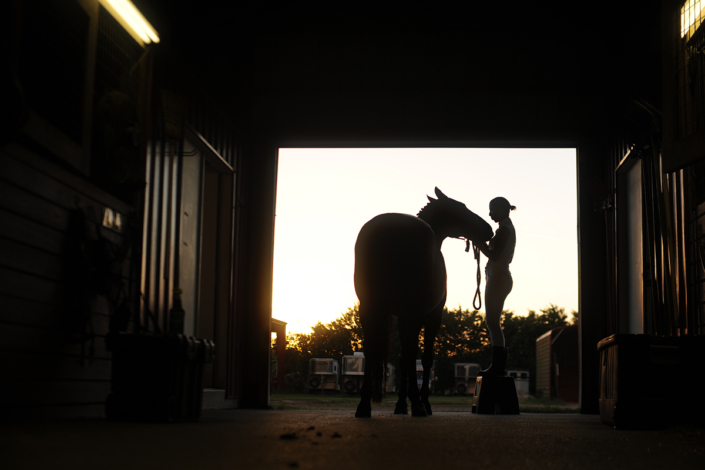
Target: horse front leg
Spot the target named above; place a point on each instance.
(364, 408)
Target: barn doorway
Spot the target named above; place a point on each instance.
(324, 196)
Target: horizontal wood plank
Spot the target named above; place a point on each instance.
(79, 183)
(27, 312)
(26, 204)
(18, 228)
(33, 366)
(59, 412)
(67, 342)
(27, 286)
(53, 392)
(50, 197)
(31, 260)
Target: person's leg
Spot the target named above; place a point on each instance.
(496, 291)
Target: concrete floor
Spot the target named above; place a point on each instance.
(281, 439)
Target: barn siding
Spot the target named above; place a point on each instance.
(52, 364)
(543, 365)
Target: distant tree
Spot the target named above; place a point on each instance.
(462, 338)
(575, 317)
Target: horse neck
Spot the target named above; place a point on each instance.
(437, 228)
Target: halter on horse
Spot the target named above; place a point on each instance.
(399, 270)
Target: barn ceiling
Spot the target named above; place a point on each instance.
(493, 75)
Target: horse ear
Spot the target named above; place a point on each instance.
(440, 194)
(430, 199)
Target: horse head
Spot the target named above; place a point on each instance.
(452, 218)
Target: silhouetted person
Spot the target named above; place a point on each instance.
(498, 281)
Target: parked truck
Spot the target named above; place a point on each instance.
(465, 377)
(323, 375)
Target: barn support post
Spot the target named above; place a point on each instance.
(255, 276)
(592, 278)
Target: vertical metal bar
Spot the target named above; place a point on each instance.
(178, 211)
(169, 170)
(152, 271)
(683, 281)
(159, 238)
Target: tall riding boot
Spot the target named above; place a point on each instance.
(498, 368)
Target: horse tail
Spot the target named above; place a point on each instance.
(377, 327)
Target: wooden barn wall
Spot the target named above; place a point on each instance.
(53, 360)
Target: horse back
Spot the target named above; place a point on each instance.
(396, 259)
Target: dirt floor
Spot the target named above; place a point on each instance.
(444, 403)
(322, 439)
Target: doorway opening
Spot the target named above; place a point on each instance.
(324, 196)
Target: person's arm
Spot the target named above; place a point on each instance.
(498, 242)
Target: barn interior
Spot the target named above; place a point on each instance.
(114, 139)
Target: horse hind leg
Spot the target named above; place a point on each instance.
(374, 345)
(430, 331)
(401, 407)
(410, 346)
(425, 389)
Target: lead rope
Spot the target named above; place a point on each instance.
(478, 298)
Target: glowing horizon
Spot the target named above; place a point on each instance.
(324, 197)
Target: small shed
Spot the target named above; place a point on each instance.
(557, 364)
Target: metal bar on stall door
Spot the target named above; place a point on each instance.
(689, 255)
(670, 272)
(159, 261)
(683, 280)
(148, 141)
(648, 245)
(148, 234)
(657, 247)
(178, 211)
(169, 168)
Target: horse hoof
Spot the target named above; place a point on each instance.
(401, 410)
(427, 407)
(363, 412)
(418, 411)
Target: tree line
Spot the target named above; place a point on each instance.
(462, 337)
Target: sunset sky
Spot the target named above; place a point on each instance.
(324, 197)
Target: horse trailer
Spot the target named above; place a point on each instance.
(431, 377)
(353, 372)
(323, 375)
(465, 377)
(391, 378)
(521, 380)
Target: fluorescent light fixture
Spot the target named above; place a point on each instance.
(132, 20)
(691, 17)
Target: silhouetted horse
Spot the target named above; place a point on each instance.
(399, 270)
